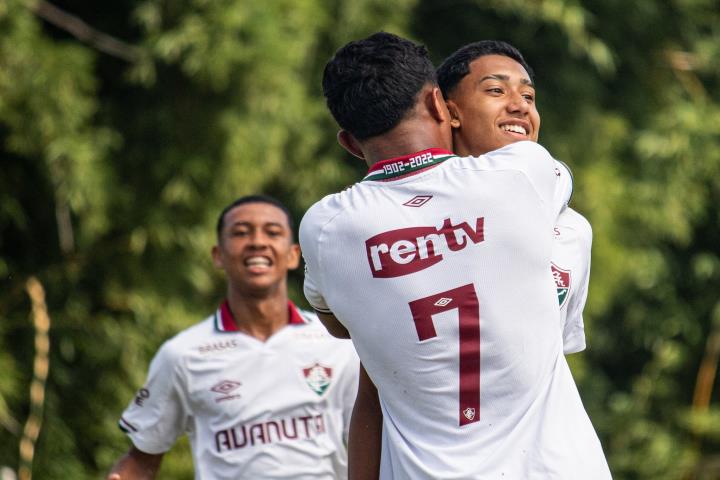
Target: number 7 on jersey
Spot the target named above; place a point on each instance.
(465, 300)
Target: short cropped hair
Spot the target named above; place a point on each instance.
(371, 84)
(456, 66)
(254, 199)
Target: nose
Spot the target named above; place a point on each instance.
(258, 239)
(517, 103)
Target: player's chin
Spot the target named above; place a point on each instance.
(259, 285)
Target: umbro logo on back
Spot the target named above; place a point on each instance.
(418, 201)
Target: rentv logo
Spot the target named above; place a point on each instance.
(409, 250)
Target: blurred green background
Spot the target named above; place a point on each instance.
(126, 126)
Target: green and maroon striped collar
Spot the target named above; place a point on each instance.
(398, 167)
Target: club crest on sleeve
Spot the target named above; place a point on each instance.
(562, 283)
(318, 377)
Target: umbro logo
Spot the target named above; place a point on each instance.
(226, 389)
(418, 201)
(443, 302)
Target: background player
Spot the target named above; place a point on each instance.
(490, 94)
(438, 302)
(260, 387)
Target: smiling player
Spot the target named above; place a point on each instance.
(490, 94)
(440, 275)
(260, 387)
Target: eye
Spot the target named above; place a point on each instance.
(529, 97)
(495, 90)
(239, 232)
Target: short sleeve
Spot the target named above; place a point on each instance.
(310, 230)
(157, 415)
(574, 328)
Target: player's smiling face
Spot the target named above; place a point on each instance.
(256, 248)
(493, 106)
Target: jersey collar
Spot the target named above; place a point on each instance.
(225, 322)
(399, 167)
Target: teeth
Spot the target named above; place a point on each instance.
(514, 128)
(254, 261)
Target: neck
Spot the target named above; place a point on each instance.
(259, 316)
(408, 137)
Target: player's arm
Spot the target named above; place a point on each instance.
(365, 432)
(313, 288)
(551, 179)
(333, 325)
(155, 418)
(574, 328)
(136, 465)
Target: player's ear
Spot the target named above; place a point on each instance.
(350, 143)
(435, 104)
(217, 260)
(294, 256)
(454, 114)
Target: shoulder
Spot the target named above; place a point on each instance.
(334, 204)
(178, 346)
(523, 156)
(314, 326)
(577, 223)
(525, 150)
(322, 212)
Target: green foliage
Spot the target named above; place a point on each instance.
(114, 173)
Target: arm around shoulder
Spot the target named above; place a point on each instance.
(333, 325)
(136, 465)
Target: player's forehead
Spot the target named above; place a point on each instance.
(497, 67)
(256, 214)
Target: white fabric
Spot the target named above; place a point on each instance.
(371, 259)
(248, 407)
(571, 262)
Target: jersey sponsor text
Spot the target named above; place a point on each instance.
(408, 250)
(282, 430)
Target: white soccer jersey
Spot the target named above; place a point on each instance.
(278, 409)
(571, 271)
(438, 267)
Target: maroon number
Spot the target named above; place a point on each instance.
(465, 300)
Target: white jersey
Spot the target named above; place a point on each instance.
(571, 271)
(278, 409)
(438, 267)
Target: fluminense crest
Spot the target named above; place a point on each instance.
(318, 377)
(562, 282)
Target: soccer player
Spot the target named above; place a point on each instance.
(260, 387)
(490, 95)
(488, 87)
(437, 267)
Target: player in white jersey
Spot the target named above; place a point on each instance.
(437, 267)
(488, 87)
(260, 387)
(491, 99)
